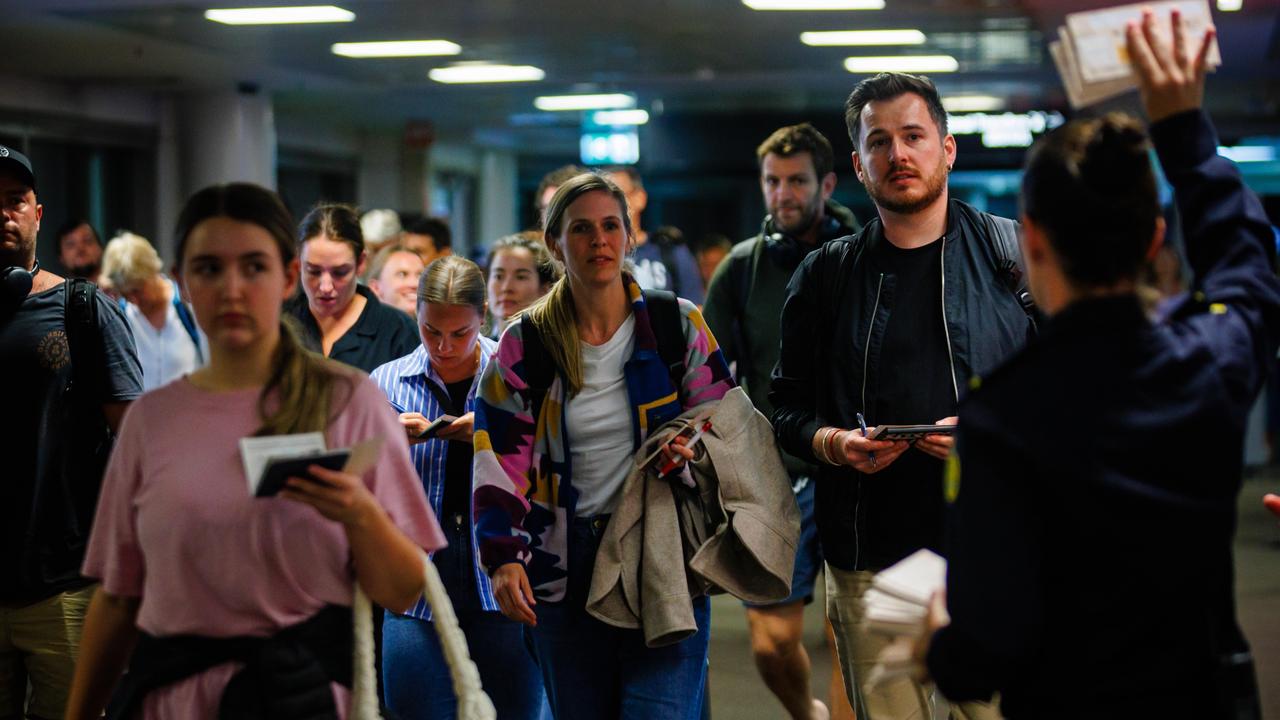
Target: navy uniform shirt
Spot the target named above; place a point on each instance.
(1089, 542)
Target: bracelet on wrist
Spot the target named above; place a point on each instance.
(829, 447)
(820, 445)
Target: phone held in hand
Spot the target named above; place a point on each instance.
(909, 432)
(436, 426)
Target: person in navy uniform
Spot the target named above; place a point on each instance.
(1094, 496)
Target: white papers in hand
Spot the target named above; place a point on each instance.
(896, 605)
(1092, 54)
(914, 579)
(257, 452)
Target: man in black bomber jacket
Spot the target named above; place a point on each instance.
(891, 323)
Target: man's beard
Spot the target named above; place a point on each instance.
(808, 217)
(933, 186)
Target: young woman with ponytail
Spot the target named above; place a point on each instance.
(548, 472)
(220, 603)
(437, 379)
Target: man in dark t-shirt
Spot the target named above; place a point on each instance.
(55, 435)
(887, 327)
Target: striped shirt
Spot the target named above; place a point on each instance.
(404, 382)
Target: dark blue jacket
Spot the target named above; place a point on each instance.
(1089, 544)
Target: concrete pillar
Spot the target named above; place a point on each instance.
(169, 196)
(227, 137)
(497, 202)
(378, 179)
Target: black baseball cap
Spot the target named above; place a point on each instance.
(18, 163)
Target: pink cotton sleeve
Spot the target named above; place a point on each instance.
(113, 556)
(393, 481)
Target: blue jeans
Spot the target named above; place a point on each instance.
(593, 670)
(416, 677)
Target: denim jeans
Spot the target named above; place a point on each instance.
(593, 670)
(416, 677)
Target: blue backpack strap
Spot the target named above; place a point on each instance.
(188, 322)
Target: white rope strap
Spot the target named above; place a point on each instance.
(473, 703)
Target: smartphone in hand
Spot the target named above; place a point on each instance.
(436, 426)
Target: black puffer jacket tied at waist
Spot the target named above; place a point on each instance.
(286, 676)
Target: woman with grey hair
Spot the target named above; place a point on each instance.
(164, 331)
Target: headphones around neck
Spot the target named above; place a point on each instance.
(785, 249)
(16, 282)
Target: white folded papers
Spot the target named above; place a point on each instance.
(1092, 55)
(896, 604)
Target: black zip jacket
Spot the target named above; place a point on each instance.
(833, 324)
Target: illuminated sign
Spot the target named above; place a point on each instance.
(1004, 129)
(610, 148)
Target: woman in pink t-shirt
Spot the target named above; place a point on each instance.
(208, 582)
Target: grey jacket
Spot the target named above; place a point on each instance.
(736, 531)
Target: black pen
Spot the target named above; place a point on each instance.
(862, 423)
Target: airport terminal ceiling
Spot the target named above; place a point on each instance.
(676, 58)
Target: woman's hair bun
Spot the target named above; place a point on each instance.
(1116, 152)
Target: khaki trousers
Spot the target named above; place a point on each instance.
(38, 645)
(857, 648)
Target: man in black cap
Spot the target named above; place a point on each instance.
(70, 370)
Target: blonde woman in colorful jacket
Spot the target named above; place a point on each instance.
(550, 462)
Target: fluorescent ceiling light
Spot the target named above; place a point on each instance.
(1248, 153)
(901, 63)
(280, 15)
(814, 4)
(620, 117)
(606, 101)
(862, 37)
(972, 103)
(486, 73)
(1230, 5)
(396, 48)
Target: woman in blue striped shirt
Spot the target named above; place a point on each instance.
(437, 380)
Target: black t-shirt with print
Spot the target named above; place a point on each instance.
(48, 437)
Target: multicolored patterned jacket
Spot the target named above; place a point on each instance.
(523, 481)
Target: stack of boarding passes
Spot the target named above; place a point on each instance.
(1092, 55)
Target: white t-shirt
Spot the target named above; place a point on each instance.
(165, 354)
(599, 423)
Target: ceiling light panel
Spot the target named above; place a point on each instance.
(972, 103)
(606, 101)
(280, 15)
(486, 73)
(901, 63)
(396, 48)
(620, 117)
(840, 38)
(814, 4)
